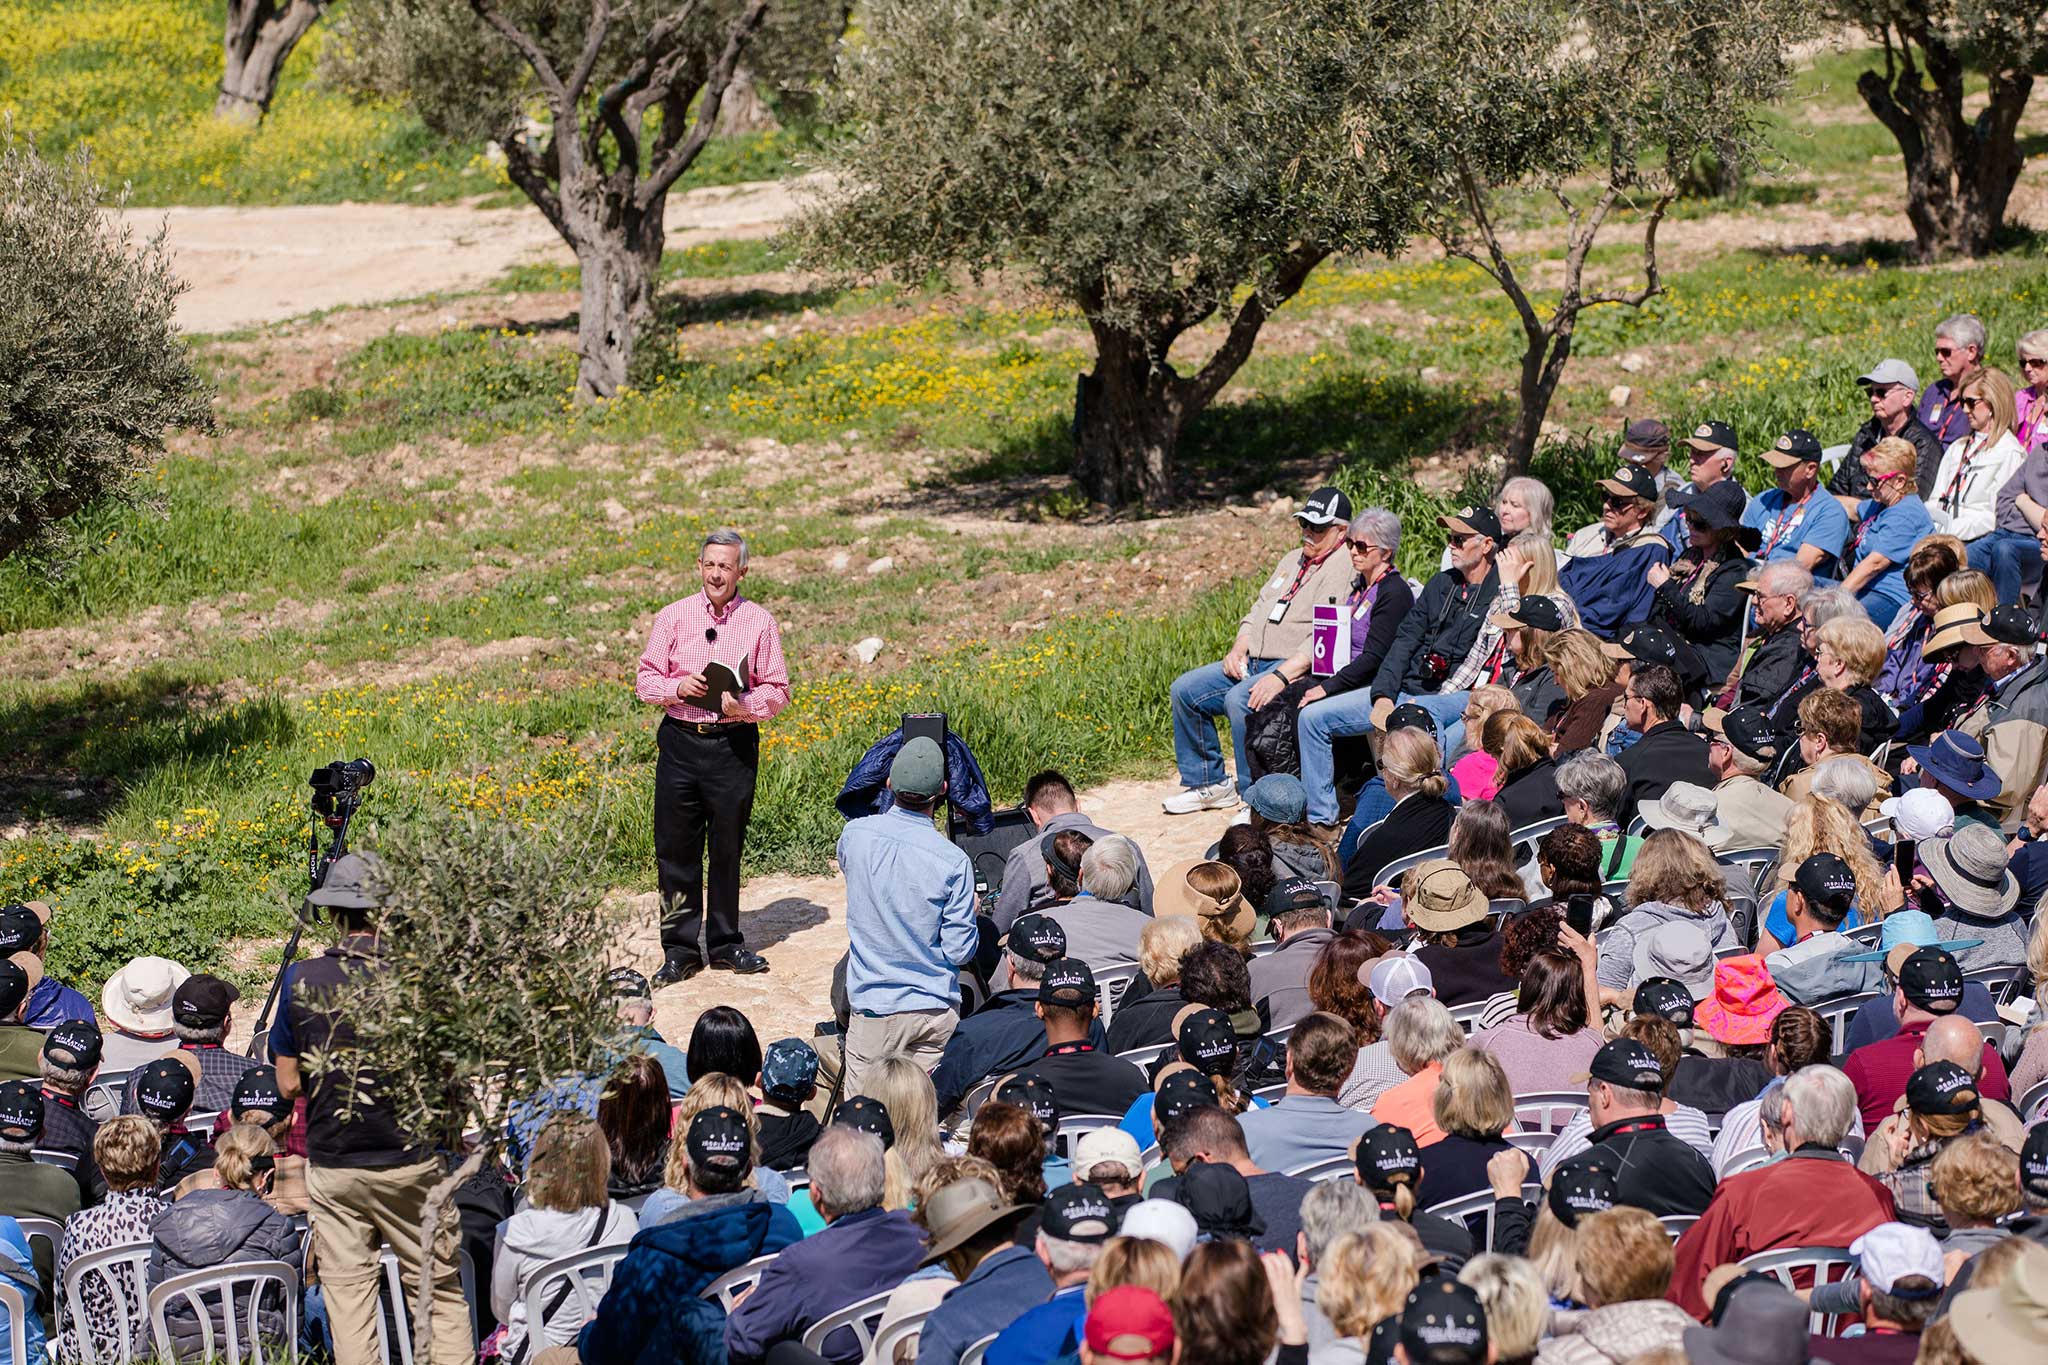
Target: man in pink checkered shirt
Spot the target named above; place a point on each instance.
(704, 775)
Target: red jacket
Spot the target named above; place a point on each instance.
(1810, 1199)
(1880, 1071)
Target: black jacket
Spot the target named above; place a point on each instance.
(1416, 823)
(1539, 694)
(1959, 693)
(1853, 479)
(1005, 1034)
(1880, 723)
(1708, 612)
(1714, 1085)
(1147, 1020)
(1653, 1170)
(1667, 753)
(786, 1139)
(1391, 605)
(1445, 621)
(1530, 794)
(1470, 972)
(1773, 665)
(1088, 1080)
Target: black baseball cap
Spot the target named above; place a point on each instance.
(1826, 880)
(75, 1044)
(2011, 626)
(13, 987)
(1536, 611)
(1666, 997)
(627, 984)
(1409, 716)
(21, 1111)
(165, 1090)
(1626, 1062)
(1932, 981)
(1444, 1323)
(1941, 1088)
(1325, 507)
(20, 930)
(1712, 436)
(257, 1090)
(1207, 1042)
(1473, 521)
(2034, 1164)
(1038, 938)
(1035, 1096)
(1181, 1092)
(1387, 1156)
(1794, 446)
(1068, 984)
(1078, 1213)
(1295, 893)
(1631, 481)
(869, 1116)
(1581, 1187)
(1720, 507)
(789, 1068)
(202, 1001)
(718, 1141)
(1644, 644)
(1747, 729)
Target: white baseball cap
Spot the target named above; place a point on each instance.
(1112, 1145)
(1891, 1252)
(1162, 1221)
(1921, 813)
(1394, 978)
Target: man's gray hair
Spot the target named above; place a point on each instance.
(1377, 526)
(65, 1080)
(1067, 1258)
(1831, 602)
(725, 535)
(1026, 969)
(1109, 869)
(1332, 1208)
(1596, 780)
(212, 1034)
(1965, 329)
(1847, 779)
(1744, 764)
(846, 1169)
(1420, 1031)
(636, 1010)
(1785, 576)
(1823, 1104)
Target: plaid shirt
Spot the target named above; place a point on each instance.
(219, 1069)
(1912, 1183)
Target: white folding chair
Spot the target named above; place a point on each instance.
(16, 1308)
(1271, 1093)
(1478, 1204)
(229, 1284)
(2034, 1104)
(1548, 1111)
(1748, 1159)
(567, 1290)
(1143, 1057)
(1070, 1127)
(798, 1179)
(50, 1232)
(123, 1271)
(861, 1318)
(1534, 1144)
(903, 1332)
(102, 1099)
(1328, 1168)
(1996, 980)
(1840, 1011)
(399, 1303)
(1110, 985)
(1677, 1223)
(1391, 873)
(978, 1096)
(973, 1354)
(50, 1156)
(1826, 1265)
(728, 1287)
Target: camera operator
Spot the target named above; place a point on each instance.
(367, 1181)
(1438, 632)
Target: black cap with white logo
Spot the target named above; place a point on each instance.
(1325, 507)
(2034, 1164)
(717, 1141)
(1387, 1157)
(1038, 938)
(869, 1116)
(1827, 882)
(1208, 1043)
(1666, 997)
(21, 1111)
(1794, 446)
(1068, 983)
(1627, 1063)
(1181, 1092)
(257, 1091)
(1078, 1213)
(1582, 1186)
(1034, 1095)
(1444, 1323)
(165, 1090)
(75, 1045)
(1294, 893)
(1931, 980)
(202, 1001)
(1941, 1088)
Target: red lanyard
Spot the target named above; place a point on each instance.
(1786, 522)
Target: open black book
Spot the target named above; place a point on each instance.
(722, 680)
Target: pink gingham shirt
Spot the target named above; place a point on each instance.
(676, 649)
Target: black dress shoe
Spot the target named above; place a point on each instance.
(678, 969)
(741, 960)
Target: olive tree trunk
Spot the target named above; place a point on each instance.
(260, 36)
(431, 1214)
(1959, 171)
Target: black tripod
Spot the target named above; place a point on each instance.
(335, 812)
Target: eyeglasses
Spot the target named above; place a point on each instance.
(1363, 546)
(1459, 542)
(1969, 402)
(1944, 351)
(1617, 500)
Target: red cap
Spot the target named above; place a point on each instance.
(1130, 1323)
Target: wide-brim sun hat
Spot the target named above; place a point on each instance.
(1171, 895)
(1743, 1004)
(1688, 807)
(1957, 762)
(137, 998)
(1443, 898)
(1969, 870)
(1909, 929)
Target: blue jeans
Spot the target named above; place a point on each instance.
(2010, 559)
(1316, 726)
(1200, 697)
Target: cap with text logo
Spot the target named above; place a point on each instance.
(1473, 521)
(1069, 983)
(2034, 1165)
(14, 985)
(1386, 1157)
(1206, 1040)
(1181, 1091)
(1626, 1063)
(165, 1090)
(75, 1045)
(1941, 1088)
(1444, 1323)
(1038, 938)
(1078, 1213)
(1709, 436)
(20, 930)
(1645, 439)
(1826, 881)
(2003, 626)
(1034, 1095)
(203, 1001)
(1536, 612)
(1129, 1322)
(869, 1116)
(1325, 507)
(1931, 980)
(1666, 997)
(789, 1068)
(1643, 645)
(1747, 729)
(1890, 371)
(21, 1111)
(1794, 447)
(257, 1092)
(1631, 481)
(624, 983)
(1295, 893)
(1581, 1186)
(718, 1141)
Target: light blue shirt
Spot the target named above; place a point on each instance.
(909, 913)
(1299, 1129)
(1786, 527)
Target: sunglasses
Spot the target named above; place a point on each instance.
(1363, 546)
(1944, 351)
(1459, 542)
(2034, 363)
(1616, 500)
(1970, 402)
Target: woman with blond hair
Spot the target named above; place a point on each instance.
(1474, 1105)
(1421, 819)
(2032, 1066)
(566, 1209)
(1587, 676)
(1145, 1018)
(2023, 498)
(1517, 1309)
(1140, 1261)
(1674, 880)
(1973, 470)
(1363, 1279)
(905, 1089)
(1527, 568)
(210, 1229)
(1478, 773)
(1889, 523)
(1625, 1263)
(1528, 774)
(1818, 825)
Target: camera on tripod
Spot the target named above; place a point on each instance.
(338, 787)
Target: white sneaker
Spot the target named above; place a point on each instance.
(1216, 796)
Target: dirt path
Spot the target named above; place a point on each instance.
(799, 923)
(248, 266)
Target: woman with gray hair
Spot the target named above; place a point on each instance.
(1593, 788)
(1340, 703)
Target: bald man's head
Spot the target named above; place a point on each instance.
(1952, 1038)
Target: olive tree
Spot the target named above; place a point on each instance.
(1960, 168)
(628, 94)
(93, 374)
(492, 953)
(260, 36)
(1065, 141)
(1521, 130)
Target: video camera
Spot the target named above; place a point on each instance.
(338, 786)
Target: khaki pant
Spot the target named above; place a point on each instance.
(354, 1214)
(919, 1034)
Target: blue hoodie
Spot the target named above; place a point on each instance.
(651, 1314)
(14, 1246)
(52, 1003)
